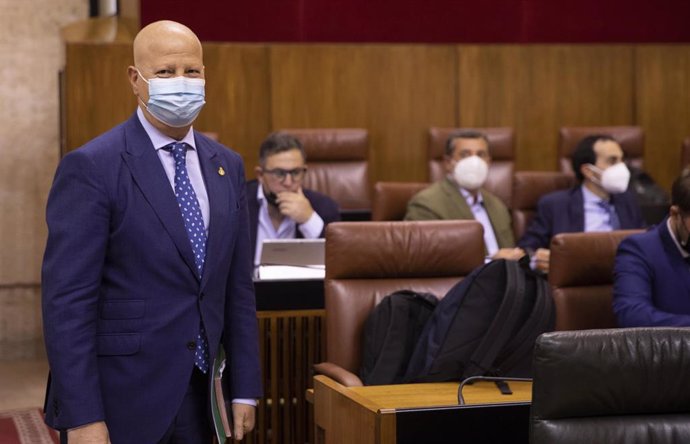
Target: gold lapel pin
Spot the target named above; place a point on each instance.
(221, 171)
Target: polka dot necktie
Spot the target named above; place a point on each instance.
(194, 223)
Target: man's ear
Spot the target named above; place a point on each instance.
(259, 173)
(133, 75)
(673, 210)
(586, 171)
(447, 163)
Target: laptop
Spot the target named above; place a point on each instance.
(295, 252)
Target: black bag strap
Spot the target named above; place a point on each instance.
(539, 321)
(501, 329)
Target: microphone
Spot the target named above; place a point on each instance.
(500, 382)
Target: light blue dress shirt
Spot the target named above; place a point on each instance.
(597, 218)
(480, 214)
(311, 229)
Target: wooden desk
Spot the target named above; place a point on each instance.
(420, 413)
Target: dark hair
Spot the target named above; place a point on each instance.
(279, 142)
(680, 193)
(584, 153)
(463, 134)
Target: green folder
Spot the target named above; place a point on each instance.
(221, 421)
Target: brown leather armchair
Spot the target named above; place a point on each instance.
(581, 278)
(501, 148)
(528, 188)
(685, 156)
(390, 199)
(631, 139)
(365, 261)
(619, 386)
(338, 164)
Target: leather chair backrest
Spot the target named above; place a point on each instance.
(366, 261)
(501, 148)
(685, 156)
(630, 138)
(528, 188)
(581, 278)
(390, 199)
(338, 164)
(615, 386)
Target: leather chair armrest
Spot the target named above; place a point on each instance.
(338, 374)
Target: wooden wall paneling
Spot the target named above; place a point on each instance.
(237, 98)
(97, 91)
(571, 86)
(663, 106)
(395, 91)
(537, 89)
(489, 79)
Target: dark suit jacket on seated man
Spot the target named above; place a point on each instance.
(461, 196)
(652, 269)
(147, 268)
(599, 202)
(280, 208)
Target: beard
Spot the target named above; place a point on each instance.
(271, 198)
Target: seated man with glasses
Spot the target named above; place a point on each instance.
(279, 207)
(652, 270)
(460, 195)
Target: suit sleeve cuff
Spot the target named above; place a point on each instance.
(244, 401)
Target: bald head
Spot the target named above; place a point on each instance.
(164, 36)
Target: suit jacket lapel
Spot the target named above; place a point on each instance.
(671, 250)
(148, 173)
(458, 208)
(253, 209)
(576, 210)
(216, 178)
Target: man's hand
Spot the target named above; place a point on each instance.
(512, 254)
(243, 416)
(541, 260)
(94, 433)
(295, 206)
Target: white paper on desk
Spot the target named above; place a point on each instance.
(280, 272)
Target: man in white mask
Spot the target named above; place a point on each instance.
(460, 195)
(148, 266)
(599, 202)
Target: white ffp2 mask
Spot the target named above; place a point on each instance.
(471, 172)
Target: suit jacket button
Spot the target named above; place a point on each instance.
(191, 345)
(201, 296)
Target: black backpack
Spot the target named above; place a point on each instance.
(390, 335)
(485, 325)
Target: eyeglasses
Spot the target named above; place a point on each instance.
(281, 174)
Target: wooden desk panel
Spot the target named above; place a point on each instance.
(369, 415)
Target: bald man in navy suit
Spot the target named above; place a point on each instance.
(147, 268)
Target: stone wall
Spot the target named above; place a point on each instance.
(32, 55)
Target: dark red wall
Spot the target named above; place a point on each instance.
(429, 21)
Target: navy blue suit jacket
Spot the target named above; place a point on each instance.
(121, 299)
(651, 281)
(324, 206)
(563, 212)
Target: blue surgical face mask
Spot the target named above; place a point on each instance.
(175, 101)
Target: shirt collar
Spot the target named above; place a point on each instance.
(470, 198)
(160, 140)
(260, 195)
(682, 251)
(589, 197)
